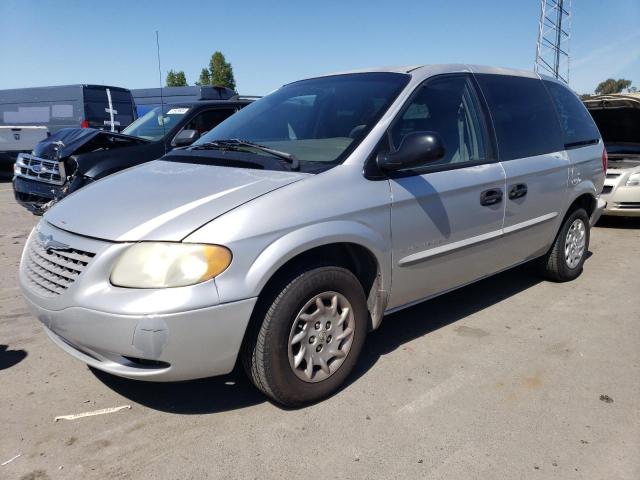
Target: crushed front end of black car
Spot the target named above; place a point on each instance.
(61, 164)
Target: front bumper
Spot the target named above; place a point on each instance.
(162, 348)
(623, 201)
(151, 334)
(33, 194)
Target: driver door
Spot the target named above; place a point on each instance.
(447, 216)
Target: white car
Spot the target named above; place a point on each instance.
(618, 119)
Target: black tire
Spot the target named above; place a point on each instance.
(554, 264)
(265, 352)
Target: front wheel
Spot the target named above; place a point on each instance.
(566, 258)
(310, 337)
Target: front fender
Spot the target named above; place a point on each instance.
(247, 278)
(312, 236)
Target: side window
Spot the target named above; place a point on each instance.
(525, 120)
(449, 107)
(205, 121)
(17, 114)
(578, 127)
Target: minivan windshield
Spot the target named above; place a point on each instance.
(317, 120)
(156, 123)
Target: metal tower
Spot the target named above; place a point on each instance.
(554, 29)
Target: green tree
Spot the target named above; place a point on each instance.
(221, 71)
(181, 79)
(205, 77)
(176, 79)
(171, 78)
(612, 86)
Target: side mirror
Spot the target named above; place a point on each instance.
(415, 150)
(185, 137)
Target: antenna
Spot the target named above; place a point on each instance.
(160, 80)
(552, 48)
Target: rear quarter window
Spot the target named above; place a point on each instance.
(578, 128)
(523, 115)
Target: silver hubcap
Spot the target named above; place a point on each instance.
(575, 243)
(321, 337)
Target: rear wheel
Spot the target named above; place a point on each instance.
(566, 258)
(310, 338)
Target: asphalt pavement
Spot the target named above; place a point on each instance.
(510, 378)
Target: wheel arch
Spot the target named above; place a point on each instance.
(583, 199)
(351, 245)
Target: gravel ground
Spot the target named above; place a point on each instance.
(512, 377)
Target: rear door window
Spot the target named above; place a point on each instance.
(524, 117)
(97, 108)
(578, 127)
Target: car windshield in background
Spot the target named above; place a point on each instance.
(317, 120)
(155, 124)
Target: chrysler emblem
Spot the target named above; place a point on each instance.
(48, 243)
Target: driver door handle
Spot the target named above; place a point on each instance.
(491, 197)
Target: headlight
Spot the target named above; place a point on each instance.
(633, 180)
(162, 265)
(18, 164)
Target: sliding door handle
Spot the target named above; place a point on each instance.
(517, 190)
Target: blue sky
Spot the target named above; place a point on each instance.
(51, 42)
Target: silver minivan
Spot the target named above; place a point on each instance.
(286, 233)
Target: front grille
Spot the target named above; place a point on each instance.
(51, 272)
(607, 189)
(613, 175)
(41, 169)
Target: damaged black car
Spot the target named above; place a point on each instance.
(75, 157)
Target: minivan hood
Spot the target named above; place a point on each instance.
(162, 200)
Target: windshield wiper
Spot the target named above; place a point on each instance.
(234, 143)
